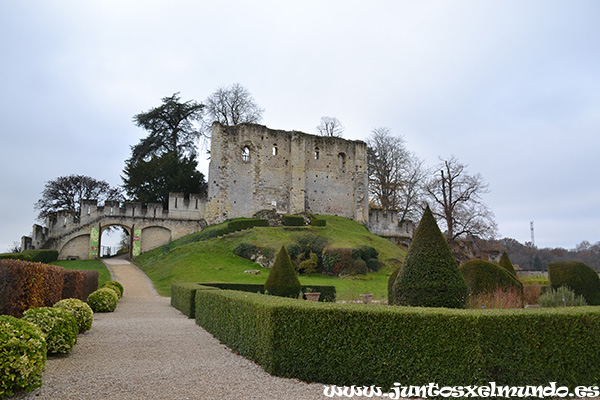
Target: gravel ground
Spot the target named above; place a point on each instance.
(147, 349)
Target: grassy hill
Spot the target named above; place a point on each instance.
(213, 260)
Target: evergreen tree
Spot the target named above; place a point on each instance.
(165, 160)
(430, 276)
(282, 280)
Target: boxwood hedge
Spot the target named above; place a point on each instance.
(183, 295)
(356, 344)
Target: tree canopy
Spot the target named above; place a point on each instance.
(171, 128)
(165, 160)
(330, 126)
(396, 176)
(66, 193)
(457, 201)
(232, 105)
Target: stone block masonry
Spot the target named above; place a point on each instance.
(254, 168)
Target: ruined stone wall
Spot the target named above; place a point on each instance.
(254, 168)
(387, 223)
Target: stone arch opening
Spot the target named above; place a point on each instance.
(115, 239)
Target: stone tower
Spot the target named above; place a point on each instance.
(254, 168)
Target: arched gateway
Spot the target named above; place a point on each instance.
(148, 226)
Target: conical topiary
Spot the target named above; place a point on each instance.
(507, 265)
(391, 280)
(430, 276)
(282, 280)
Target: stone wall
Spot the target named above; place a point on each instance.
(254, 168)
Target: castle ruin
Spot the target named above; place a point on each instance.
(252, 168)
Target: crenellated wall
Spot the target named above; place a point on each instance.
(386, 223)
(252, 168)
(71, 236)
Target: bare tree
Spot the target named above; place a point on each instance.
(456, 200)
(330, 126)
(232, 105)
(396, 176)
(15, 247)
(66, 193)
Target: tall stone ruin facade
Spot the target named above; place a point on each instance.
(255, 168)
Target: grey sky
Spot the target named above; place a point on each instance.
(511, 88)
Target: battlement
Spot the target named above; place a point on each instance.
(181, 207)
(387, 223)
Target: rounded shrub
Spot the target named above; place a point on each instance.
(430, 276)
(485, 277)
(22, 355)
(282, 280)
(58, 325)
(507, 265)
(578, 276)
(103, 300)
(561, 297)
(81, 311)
(116, 286)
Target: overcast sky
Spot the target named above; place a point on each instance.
(511, 88)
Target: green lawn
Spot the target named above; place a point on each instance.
(86, 265)
(213, 260)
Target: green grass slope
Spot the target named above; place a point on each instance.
(213, 260)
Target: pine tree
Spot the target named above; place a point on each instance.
(430, 276)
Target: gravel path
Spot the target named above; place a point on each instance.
(147, 349)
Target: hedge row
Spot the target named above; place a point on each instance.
(293, 220)
(241, 224)
(353, 344)
(25, 285)
(183, 295)
(43, 256)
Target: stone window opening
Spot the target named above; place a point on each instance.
(246, 154)
(274, 151)
(316, 153)
(89, 210)
(342, 160)
(111, 211)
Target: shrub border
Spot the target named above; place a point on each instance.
(354, 344)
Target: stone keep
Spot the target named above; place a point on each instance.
(254, 168)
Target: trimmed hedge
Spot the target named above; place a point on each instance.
(58, 325)
(90, 283)
(81, 311)
(25, 285)
(183, 295)
(484, 276)
(20, 340)
(355, 344)
(103, 300)
(241, 224)
(43, 256)
(73, 284)
(293, 220)
(578, 276)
